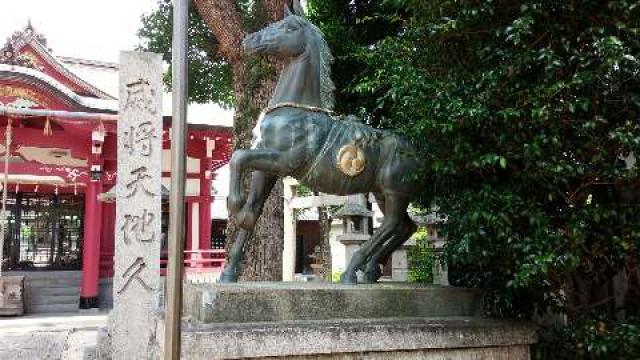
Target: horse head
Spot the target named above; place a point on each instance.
(286, 38)
(306, 79)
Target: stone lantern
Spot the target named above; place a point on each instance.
(355, 218)
(355, 226)
(432, 222)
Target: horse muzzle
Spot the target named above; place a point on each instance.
(253, 44)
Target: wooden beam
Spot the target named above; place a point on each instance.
(305, 202)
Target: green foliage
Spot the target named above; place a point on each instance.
(421, 259)
(521, 111)
(592, 339)
(335, 276)
(350, 26)
(303, 190)
(209, 74)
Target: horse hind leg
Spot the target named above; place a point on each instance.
(261, 185)
(372, 271)
(395, 207)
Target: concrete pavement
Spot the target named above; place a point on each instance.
(69, 336)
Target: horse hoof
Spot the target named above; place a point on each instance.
(371, 275)
(227, 278)
(349, 279)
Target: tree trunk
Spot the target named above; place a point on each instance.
(263, 253)
(325, 245)
(254, 81)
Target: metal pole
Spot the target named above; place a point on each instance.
(5, 184)
(176, 211)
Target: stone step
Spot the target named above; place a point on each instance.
(53, 308)
(62, 282)
(53, 291)
(282, 301)
(51, 300)
(48, 275)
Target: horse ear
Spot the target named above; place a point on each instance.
(287, 11)
(297, 8)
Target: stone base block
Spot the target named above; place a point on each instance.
(272, 301)
(11, 295)
(444, 338)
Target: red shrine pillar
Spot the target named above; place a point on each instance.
(206, 177)
(92, 228)
(189, 230)
(107, 240)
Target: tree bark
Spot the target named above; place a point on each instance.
(325, 245)
(263, 253)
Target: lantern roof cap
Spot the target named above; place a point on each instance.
(354, 209)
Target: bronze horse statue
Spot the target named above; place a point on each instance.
(298, 135)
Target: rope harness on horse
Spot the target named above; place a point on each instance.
(271, 108)
(332, 137)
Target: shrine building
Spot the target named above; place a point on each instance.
(61, 171)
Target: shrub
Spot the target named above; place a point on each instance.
(420, 259)
(595, 338)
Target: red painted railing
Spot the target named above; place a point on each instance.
(195, 261)
(198, 261)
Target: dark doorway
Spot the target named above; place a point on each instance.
(44, 232)
(218, 234)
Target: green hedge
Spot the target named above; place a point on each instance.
(595, 338)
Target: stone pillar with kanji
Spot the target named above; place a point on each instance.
(136, 281)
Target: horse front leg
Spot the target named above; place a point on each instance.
(241, 161)
(261, 185)
(247, 212)
(235, 199)
(230, 272)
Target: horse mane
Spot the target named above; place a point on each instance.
(327, 87)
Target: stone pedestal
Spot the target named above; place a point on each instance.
(440, 271)
(388, 339)
(11, 295)
(333, 321)
(271, 301)
(400, 262)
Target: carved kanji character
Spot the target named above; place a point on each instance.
(139, 138)
(139, 227)
(133, 273)
(141, 96)
(139, 182)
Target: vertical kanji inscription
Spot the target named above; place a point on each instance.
(136, 282)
